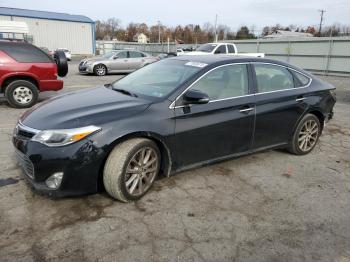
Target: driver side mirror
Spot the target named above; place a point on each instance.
(115, 57)
(195, 97)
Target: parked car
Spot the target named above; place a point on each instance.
(166, 55)
(176, 114)
(118, 61)
(179, 51)
(26, 70)
(220, 49)
(66, 52)
(46, 50)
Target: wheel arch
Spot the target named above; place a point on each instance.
(100, 63)
(166, 159)
(8, 79)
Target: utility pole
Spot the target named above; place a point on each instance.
(321, 21)
(216, 22)
(158, 31)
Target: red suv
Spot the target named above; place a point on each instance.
(26, 70)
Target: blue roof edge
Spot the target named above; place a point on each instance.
(9, 11)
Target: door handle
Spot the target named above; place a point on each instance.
(300, 99)
(246, 110)
(125, 60)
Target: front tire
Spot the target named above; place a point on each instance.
(306, 135)
(100, 70)
(131, 169)
(21, 94)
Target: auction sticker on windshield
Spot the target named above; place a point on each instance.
(196, 64)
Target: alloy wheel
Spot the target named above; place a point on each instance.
(23, 95)
(308, 135)
(101, 70)
(141, 171)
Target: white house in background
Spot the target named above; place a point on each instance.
(286, 34)
(141, 38)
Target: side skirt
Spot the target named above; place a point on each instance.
(224, 158)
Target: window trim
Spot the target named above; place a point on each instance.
(172, 105)
(286, 67)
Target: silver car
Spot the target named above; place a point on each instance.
(118, 61)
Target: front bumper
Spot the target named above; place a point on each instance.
(80, 163)
(85, 69)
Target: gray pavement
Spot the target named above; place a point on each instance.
(270, 206)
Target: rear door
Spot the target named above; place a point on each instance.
(135, 60)
(222, 127)
(280, 102)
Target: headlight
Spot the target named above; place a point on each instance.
(62, 137)
(89, 63)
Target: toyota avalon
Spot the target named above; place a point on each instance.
(175, 114)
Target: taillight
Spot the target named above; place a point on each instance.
(333, 93)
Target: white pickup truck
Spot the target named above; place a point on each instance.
(221, 48)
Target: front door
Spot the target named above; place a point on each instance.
(120, 62)
(222, 127)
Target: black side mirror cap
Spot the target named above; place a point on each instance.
(192, 97)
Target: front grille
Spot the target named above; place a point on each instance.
(25, 134)
(25, 163)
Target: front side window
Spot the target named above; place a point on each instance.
(224, 82)
(273, 78)
(208, 48)
(221, 49)
(123, 54)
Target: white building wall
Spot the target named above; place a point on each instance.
(53, 34)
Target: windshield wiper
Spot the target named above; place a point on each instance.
(123, 91)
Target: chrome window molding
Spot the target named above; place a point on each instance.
(172, 105)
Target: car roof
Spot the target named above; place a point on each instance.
(226, 59)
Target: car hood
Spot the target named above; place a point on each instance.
(95, 106)
(94, 59)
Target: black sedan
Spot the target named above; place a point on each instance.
(172, 115)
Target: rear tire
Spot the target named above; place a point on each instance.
(100, 70)
(306, 135)
(21, 94)
(131, 169)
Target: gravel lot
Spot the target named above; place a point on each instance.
(271, 206)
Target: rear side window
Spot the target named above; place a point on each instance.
(135, 54)
(231, 49)
(273, 78)
(300, 79)
(25, 53)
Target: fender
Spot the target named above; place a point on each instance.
(21, 74)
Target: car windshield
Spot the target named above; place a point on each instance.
(207, 48)
(108, 55)
(158, 79)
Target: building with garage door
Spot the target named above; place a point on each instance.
(55, 30)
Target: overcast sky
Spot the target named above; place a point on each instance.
(170, 13)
